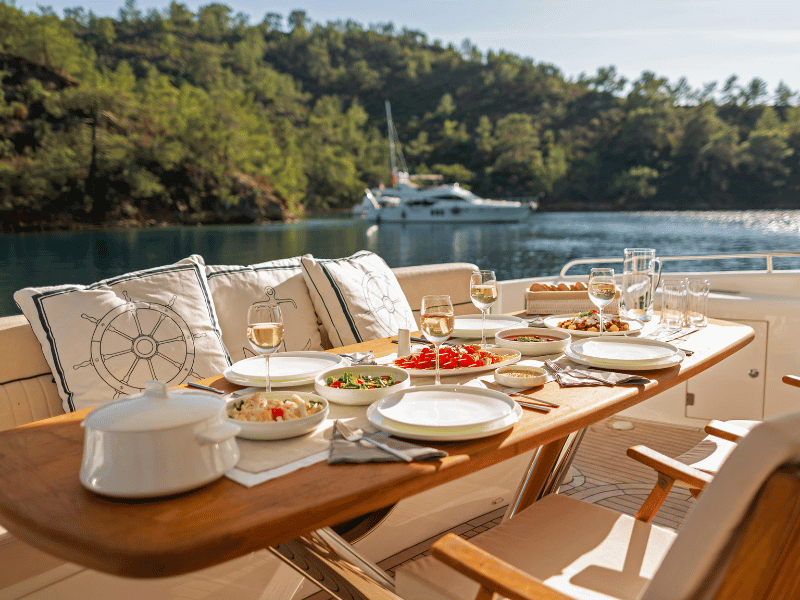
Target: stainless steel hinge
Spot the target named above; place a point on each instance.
(689, 399)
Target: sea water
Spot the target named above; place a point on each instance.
(540, 245)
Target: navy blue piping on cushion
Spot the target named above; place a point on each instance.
(327, 310)
(348, 317)
(39, 298)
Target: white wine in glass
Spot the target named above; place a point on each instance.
(602, 290)
(265, 332)
(483, 291)
(437, 321)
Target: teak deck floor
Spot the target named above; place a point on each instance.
(602, 474)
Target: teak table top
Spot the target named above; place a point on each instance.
(43, 502)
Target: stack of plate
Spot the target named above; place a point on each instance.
(629, 354)
(286, 369)
(444, 413)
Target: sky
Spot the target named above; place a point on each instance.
(702, 40)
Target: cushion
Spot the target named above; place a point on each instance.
(583, 550)
(235, 288)
(357, 298)
(105, 340)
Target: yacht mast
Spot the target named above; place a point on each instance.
(394, 147)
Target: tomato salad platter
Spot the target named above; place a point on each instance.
(457, 360)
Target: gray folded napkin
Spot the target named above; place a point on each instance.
(581, 377)
(344, 452)
(361, 358)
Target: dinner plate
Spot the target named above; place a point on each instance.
(446, 434)
(620, 366)
(552, 322)
(623, 350)
(284, 366)
(469, 326)
(444, 406)
(511, 356)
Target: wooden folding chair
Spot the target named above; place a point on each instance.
(740, 541)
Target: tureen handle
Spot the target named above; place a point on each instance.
(155, 390)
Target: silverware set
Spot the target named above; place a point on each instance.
(556, 368)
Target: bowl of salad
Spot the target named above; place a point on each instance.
(360, 385)
(533, 341)
(275, 415)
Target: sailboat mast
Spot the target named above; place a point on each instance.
(390, 125)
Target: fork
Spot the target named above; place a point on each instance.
(556, 368)
(352, 436)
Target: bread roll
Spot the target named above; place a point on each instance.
(538, 287)
(562, 287)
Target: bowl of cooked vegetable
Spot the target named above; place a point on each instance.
(533, 341)
(275, 415)
(360, 385)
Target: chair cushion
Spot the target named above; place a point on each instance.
(357, 298)
(105, 340)
(235, 288)
(583, 550)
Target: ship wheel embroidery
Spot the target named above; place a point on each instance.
(137, 342)
(383, 300)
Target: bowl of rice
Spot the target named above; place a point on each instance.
(275, 415)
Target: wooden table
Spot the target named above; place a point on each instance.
(43, 503)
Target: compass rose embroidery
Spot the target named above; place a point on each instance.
(137, 342)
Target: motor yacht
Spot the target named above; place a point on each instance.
(408, 202)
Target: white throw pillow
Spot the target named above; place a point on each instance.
(235, 288)
(357, 298)
(105, 340)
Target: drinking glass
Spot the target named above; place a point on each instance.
(697, 302)
(265, 332)
(601, 290)
(437, 321)
(673, 303)
(483, 291)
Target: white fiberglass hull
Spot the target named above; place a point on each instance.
(474, 213)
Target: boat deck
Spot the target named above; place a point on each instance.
(601, 474)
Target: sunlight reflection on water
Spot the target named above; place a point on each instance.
(541, 245)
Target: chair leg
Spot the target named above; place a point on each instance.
(656, 498)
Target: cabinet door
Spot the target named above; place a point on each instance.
(734, 388)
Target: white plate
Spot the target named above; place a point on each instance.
(285, 366)
(623, 350)
(280, 430)
(451, 434)
(361, 397)
(552, 322)
(619, 366)
(469, 326)
(444, 406)
(511, 356)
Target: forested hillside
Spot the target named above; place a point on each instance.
(172, 116)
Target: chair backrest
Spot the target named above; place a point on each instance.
(742, 539)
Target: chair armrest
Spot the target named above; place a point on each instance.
(726, 431)
(491, 572)
(791, 380)
(669, 466)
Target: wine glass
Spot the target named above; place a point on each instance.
(601, 290)
(437, 321)
(265, 332)
(483, 291)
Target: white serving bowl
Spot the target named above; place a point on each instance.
(277, 430)
(533, 376)
(560, 341)
(157, 443)
(361, 397)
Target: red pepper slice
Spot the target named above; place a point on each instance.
(276, 412)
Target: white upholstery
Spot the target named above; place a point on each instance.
(583, 550)
(446, 278)
(709, 455)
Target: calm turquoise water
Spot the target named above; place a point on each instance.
(539, 246)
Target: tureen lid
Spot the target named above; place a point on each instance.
(154, 409)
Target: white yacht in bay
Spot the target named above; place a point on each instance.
(408, 202)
